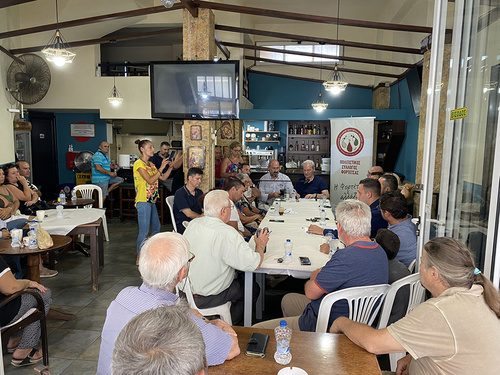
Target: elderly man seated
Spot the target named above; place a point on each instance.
(361, 263)
(160, 341)
(220, 251)
(311, 186)
(163, 264)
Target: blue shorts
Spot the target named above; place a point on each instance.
(104, 185)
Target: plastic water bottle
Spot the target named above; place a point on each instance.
(293, 194)
(59, 208)
(276, 208)
(32, 241)
(62, 197)
(73, 195)
(322, 216)
(283, 336)
(288, 251)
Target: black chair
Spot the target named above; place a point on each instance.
(38, 313)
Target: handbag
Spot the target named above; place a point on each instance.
(31, 210)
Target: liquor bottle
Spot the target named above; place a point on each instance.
(296, 145)
(313, 146)
(307, 146)
(303, 146)
(290, 148)
(317, 146)
(315, 130)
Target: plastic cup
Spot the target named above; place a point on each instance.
(40, 214)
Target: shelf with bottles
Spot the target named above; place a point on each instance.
(307, 128)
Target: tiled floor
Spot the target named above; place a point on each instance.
(74, 345)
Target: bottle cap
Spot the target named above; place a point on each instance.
(288, 240)
(282, 323)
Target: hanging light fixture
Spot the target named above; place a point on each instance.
(204, 94)
(114, 96)
(57, 49)
(319, 105)
(336, 83)
(168, 3)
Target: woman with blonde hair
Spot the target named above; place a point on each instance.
(146, 191)
(231, 163)
(456, 332)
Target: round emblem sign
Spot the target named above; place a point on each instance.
(350, 142)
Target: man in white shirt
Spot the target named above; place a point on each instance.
(220, 251)
(272, 182)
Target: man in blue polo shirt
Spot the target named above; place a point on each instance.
(101, 171)
(186, 200)
(361, 263)
(311, 186)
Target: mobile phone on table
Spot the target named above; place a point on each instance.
(304, 261)
(257, 345)
(277, 221)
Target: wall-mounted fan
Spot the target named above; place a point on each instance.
(29, 82)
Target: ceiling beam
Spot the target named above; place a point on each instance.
(311, 18)
(90, 20)
(314, 66)
(107, 39)
(342, 58)
(252, 70)
(11, 55)
(191, 7)
(345, 43)
(9, 3)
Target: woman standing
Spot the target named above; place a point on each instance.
(146, 191)
(231, 164)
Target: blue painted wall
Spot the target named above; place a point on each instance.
(407, 160)
(64, 139)
(268, 92)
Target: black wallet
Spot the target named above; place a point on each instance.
(257, 345)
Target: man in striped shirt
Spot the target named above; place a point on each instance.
(164, 263)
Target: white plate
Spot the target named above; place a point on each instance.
(291, 371)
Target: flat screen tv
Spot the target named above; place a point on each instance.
(194, 90)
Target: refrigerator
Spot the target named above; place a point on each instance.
(22, 141)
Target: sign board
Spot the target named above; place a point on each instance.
(351, 155)
(458, 113)
(83, 130)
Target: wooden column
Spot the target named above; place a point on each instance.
(199, 44)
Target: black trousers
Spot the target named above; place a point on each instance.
(235, 293)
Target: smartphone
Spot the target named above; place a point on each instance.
(304, 261)
(257, 345)
(277, 221)
(212, 317)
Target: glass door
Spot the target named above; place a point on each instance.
(469, 184)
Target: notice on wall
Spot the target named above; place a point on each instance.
(351, 155)
(83, 130)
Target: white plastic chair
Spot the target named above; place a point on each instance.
(87, 192)
(416, 297)
(411, 267)
(223, 310)
(170, 204)
(185, 223)
(362, 301)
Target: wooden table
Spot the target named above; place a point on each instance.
(79, 202)
(33, 255)
(315, 353)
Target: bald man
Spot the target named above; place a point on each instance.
(101, 171)
(375, 172)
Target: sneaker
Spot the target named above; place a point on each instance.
(45, 272)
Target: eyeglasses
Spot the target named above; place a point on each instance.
(192, 257)
(235, 150)
(374, 173)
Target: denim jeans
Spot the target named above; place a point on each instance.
(146, 215)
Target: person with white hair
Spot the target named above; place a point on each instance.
(310, 186)
(220, 251)
(163, 264)
(160, 341)
(361, 263)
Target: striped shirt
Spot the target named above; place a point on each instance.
(133, 301)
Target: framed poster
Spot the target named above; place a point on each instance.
(228, 130)
(83, 130)
(196, 157)
(195, 132)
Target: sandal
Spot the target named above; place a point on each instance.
(45, 272)
(11, 350)
(26, 361)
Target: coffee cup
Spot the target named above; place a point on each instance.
(40, 214)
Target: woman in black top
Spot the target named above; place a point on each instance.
(22, 347)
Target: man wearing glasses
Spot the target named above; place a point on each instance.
(164, 263)
(221, 251)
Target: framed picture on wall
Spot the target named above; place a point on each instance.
(196, 157)
(195, 132)
(228, 130)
